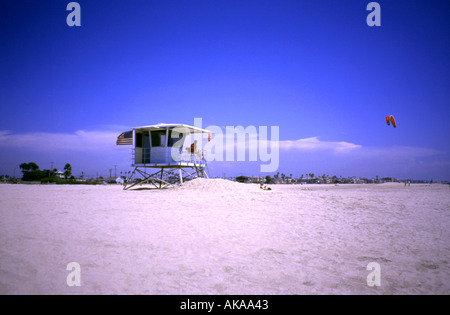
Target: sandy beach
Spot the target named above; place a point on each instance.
(220, 237)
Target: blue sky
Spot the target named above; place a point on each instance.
(313, 68)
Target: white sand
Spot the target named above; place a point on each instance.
(220, 237)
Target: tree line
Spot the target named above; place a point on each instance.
(31, 172)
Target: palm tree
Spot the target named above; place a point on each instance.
(67, 171)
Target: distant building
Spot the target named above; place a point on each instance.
(59, 174)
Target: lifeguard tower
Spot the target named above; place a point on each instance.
(168, 148)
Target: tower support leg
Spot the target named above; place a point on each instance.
(164, 178)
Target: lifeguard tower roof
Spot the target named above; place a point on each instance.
(160, 126)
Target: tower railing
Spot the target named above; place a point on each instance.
(148, 156)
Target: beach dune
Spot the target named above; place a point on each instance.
(213, 236)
